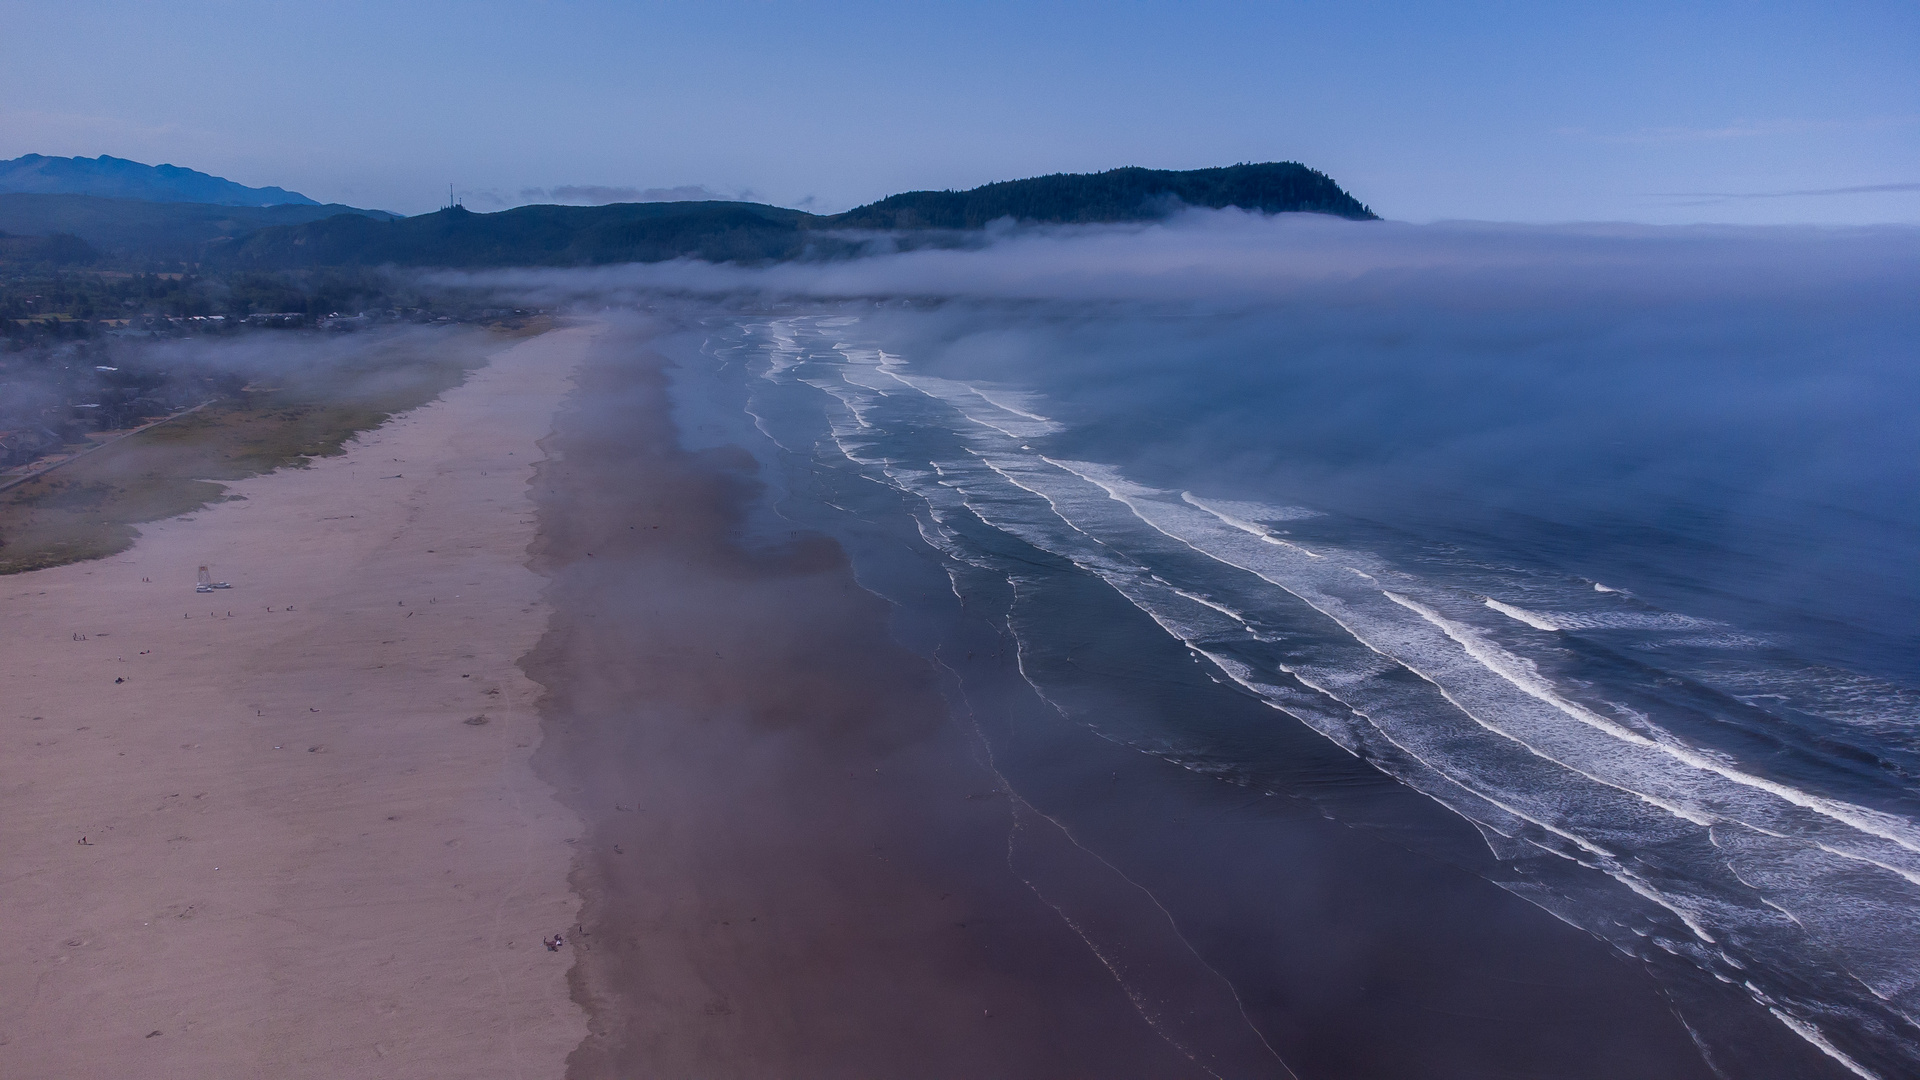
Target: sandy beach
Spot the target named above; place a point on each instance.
(290, 829)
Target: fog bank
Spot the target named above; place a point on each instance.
(1720, 414)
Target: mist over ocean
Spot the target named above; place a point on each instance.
(1600, 540)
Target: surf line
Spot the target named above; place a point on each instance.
(1857, 817)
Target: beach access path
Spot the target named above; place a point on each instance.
(290, 829)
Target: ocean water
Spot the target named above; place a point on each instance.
(1621, 580)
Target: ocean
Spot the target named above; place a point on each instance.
(1583, 570)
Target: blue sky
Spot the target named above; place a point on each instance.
(1711, 111)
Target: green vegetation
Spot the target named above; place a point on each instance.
(530, 236)
(91, 508)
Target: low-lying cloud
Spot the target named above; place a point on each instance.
(1733, 401)
(1710, 198)
(1230, 257)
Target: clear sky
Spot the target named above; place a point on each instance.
(1657, 112)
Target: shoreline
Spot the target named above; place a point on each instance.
(796, 861)
(291, 829)
(834, 831)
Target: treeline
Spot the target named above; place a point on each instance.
(532, 236)
(46, 252)
(146, 235)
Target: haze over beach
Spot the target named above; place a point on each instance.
(1230, 541)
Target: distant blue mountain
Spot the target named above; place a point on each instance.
(118, 178)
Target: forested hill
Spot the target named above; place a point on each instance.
(1116, 195)
(529, 236)
(139, 231)
(751, 232)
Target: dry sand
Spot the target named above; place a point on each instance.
(313, 844)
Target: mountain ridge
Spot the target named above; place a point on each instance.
(304, 236)
(551, 235)
(142, 230)
(120, 178)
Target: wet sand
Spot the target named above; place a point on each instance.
(797, 863)
(290, 829)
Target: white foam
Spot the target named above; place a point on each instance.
(1536, 621)
(1252, 511)
(1516, 671)
(1219, 510)
(1812, 1034)
(1010, 420)
(999, 398)
(1625, 620)
(1222, 609)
